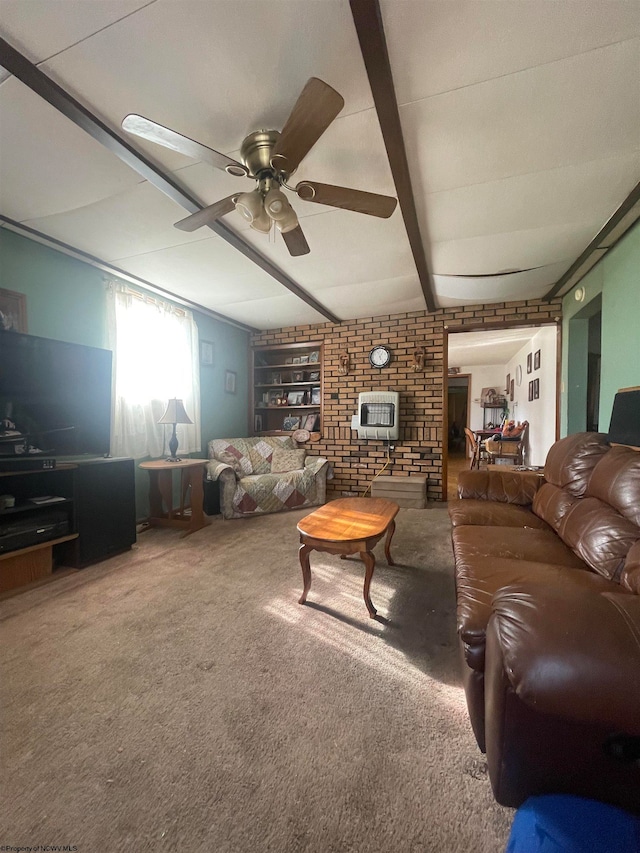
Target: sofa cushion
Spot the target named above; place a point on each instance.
(616, 481)
(630, 577)
(570, 461)
(572, 652)
(478, 582)
(513, 487)
(265, 493)
(513, 543)
(552, 503)
(598, 534)
(284, 460)
(493, 513)
(252, 455)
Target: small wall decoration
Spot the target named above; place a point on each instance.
(536, 360)
(314, 357)
(13, 311)
(298, 376)
(230, 378)
(453, 371)
(206, 353)
(314, 376)
(419, 356)
(512, 390)
(508, 384)
(488, 396)
(530, 391)
(536, 389)
(344, 363)
(529, 358)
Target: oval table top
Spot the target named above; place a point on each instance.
(349, 519)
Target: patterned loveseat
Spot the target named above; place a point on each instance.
(265, 474)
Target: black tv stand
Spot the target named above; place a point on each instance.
(96, 515)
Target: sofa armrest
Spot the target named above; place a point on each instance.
(315, 463)
(568, 652)
(514, 487)
(217, 470)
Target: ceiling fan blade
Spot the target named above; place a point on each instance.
(372, 204)
(317, 106)
(207, 214)
(296, 242)
(147, 129)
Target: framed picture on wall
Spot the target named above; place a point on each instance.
(230, 378)
(536, 360)
(536, 389)
(529, 360)
(206, 353)
(512, 390)
(530, 391)
(13, 311)
(507, 384)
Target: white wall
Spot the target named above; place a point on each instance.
(482, 376)
(540, 413)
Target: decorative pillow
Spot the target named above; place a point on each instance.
(513, 430)
(283, 461)
(229, 459)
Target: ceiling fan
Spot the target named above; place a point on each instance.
(269, 158)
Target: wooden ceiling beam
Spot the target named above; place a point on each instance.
(367, 18)
(627, 205)
(25, 71)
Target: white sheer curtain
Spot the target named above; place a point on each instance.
(155, 358)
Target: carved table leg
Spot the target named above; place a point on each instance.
(306, 571)
(370, 562)
(387, 542)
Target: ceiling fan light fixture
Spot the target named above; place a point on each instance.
(288, 222)
(249, 205)
(262, 222)
(276, 204)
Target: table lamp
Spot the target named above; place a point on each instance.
(174, 414)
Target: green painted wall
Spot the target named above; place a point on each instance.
(617, 279)
(66, 300)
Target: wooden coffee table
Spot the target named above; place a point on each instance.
(348, 526)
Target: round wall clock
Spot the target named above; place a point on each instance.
(519, 375)
(380, 356)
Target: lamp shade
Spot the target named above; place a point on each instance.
(249, 205)
(276, 204)
(262, 222)
(175, 413)
(288, 222)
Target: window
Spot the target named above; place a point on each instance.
(155, 358)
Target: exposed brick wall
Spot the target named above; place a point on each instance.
(419, 449)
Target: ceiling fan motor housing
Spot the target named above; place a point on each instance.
(256, 152)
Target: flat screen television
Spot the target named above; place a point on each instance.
(55, 397)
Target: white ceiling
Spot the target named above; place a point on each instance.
(470, 349)
(521, 123)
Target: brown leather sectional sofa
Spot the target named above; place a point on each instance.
(548, 603)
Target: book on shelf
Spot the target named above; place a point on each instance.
(46, 499)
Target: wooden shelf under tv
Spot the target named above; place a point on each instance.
(274, 358)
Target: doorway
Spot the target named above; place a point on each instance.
(458, 391)
(518, 364)
(583, 368)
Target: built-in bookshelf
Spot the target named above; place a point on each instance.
(287, 388)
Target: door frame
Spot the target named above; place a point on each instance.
(490, 327)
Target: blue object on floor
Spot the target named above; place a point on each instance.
(563, 824)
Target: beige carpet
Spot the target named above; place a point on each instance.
(177, 698)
